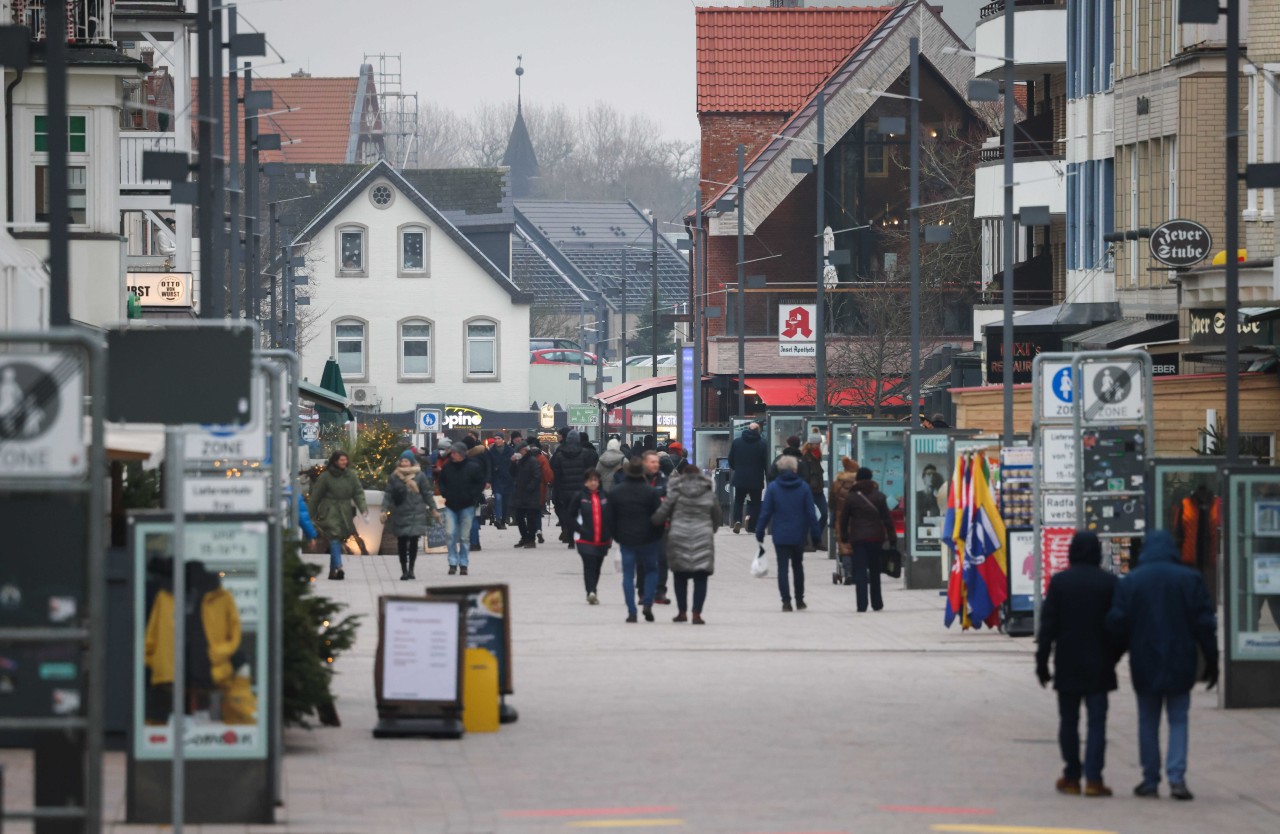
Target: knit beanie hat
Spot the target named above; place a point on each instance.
(614, 445)
(675, 448)
(444, 444)
(408, 453)
(864, 474)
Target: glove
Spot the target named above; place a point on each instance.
(1042, 673)
(1211, 673)
(365, 516)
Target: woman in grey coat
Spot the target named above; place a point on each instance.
(409, 505)
(694, 515)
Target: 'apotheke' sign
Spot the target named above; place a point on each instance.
(161, 289)
(1180, 243)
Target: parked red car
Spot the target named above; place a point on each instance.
(557, 356)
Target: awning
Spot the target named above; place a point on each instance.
(1124, 333)
(792, 391)
(1252, 314)
(325, 398)
(133, 442)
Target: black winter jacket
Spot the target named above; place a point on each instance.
(628, 514)
(570, 464)
(592, 508)
(526, 491)
(802, 465)
(866, 516)
(748, 458)
(461, 483)
(1073, 625)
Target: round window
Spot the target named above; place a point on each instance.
(381, 195)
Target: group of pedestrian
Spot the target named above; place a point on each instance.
(1161, 613)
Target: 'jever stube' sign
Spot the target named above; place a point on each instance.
(1180, 243)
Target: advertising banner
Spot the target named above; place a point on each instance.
(487, 623)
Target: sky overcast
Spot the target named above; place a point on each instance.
(637, 54)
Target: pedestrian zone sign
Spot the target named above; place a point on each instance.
(429, 419)
(1112, 392)
(1056, 390)
(41, 429)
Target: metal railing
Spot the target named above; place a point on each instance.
(88, 21)
(133, 143)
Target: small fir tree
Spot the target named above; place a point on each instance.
(314, 635)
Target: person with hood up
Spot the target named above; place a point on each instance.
(788, 504)
(479, 452)
(748, 459)
(410, 505)
(694, 515)
(461, 482)
(678, 456)
(1073, 626)
(441, 455)
(867, 526)
(610, 463)
(629, 515)
(841, 491)
(336, 496)
(811, 454)
(593, 532)
(1162, 612)
(526, 491)
(569, 466)
(500, 479)
(791, 450)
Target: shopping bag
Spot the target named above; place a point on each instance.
(891, 563)
(617, 562)
(760, 565)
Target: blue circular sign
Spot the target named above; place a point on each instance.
(1062, 384)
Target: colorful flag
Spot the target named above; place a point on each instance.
(951, 535)
(986, 571)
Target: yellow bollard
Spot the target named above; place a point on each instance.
(480, 692)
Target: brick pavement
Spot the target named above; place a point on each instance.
(816, 721)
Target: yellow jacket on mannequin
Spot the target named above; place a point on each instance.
(221, 622)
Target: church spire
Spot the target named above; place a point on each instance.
(520, 156)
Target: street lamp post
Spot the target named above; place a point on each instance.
(1007, 243)
(742, 287)
(653, 332)
(820, 348)
(1233, 232)
(914, 221)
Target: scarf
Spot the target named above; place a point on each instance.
(409, 476)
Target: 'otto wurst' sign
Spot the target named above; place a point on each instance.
(1180, 243)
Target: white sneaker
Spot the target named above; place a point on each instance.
(592, 599)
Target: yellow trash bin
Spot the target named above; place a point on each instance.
(480, 692)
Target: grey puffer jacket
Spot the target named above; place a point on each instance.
(411, 510)
(608, 465)
(694, 513)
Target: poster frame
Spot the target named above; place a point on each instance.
(463, 593)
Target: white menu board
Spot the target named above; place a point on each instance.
(420, 645)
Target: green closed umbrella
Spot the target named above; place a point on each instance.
(331, 380)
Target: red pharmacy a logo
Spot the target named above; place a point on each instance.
(797, 323)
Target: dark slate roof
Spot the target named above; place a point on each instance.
(520, 157)
(382, 169)
(543, 271)
(467, 197)
(594, 235)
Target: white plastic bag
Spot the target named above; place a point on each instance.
(617, 563)
(760, 565)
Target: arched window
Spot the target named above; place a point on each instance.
(482, 349)
(415, 251)
(351, 347)
(352, 251)
(416, 355)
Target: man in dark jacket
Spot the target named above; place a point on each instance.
(867, 526)
(569, 465)
(656, 478)
(628, 514)
(1163, 613)
(748, 458)
(1073, 627)
(791, 450)
(788, 503)
(479, 452)
(526, 492)
(500, 480)
(461, 483)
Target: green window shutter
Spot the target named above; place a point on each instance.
(42, 134)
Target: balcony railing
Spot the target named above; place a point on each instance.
(88, 21)
(132, 145)
(1034, 140)
(997, 7)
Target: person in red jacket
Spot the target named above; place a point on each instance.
(590, 525)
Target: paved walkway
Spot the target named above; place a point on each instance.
(818, 722)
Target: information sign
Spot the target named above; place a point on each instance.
(1058, 457)
(1059, 508)
(419, 659)
(246, 494)
(430, 419)
(584, 414)
(248, 442)
(1112, 392)
(1056, 391)
(41, 429)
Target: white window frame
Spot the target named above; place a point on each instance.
(402, 340)
(1133, 211)
(1251, 141)
(339, 269)
(39, 159)
(1270, 145)
(407, 229)
(363, 376)
(468, 374)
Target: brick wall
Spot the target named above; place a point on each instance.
(721, 135)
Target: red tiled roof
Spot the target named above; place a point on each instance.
(759, 60)
(320, 121)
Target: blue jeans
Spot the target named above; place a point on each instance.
(1149, 706)
(475, 526)
(335, 554)
(1095, 746)
(792, 554)
(820, 501)
(499, 507)
(646, 556)
(458, 522)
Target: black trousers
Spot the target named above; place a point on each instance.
(699, 590)
(753, 508)
(592, 562)
(527, 521)
(408, 547)
(866, 573)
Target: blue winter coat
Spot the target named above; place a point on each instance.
(1162, 611)
(748, 458)
(304, 519)
(788, 504)
(500, 468)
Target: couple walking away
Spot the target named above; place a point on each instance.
(1161, 613)
(639, 518)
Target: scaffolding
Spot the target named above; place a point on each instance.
(399, 111)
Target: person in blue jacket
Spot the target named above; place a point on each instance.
(788, 505)
(304, 519)
(1162, 612)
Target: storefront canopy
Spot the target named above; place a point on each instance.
(1123, 333)
(798, 391)
(324, 399)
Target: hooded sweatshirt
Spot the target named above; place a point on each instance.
(1073, 622)
(748, 458)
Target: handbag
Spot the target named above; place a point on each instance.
(891, 562)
